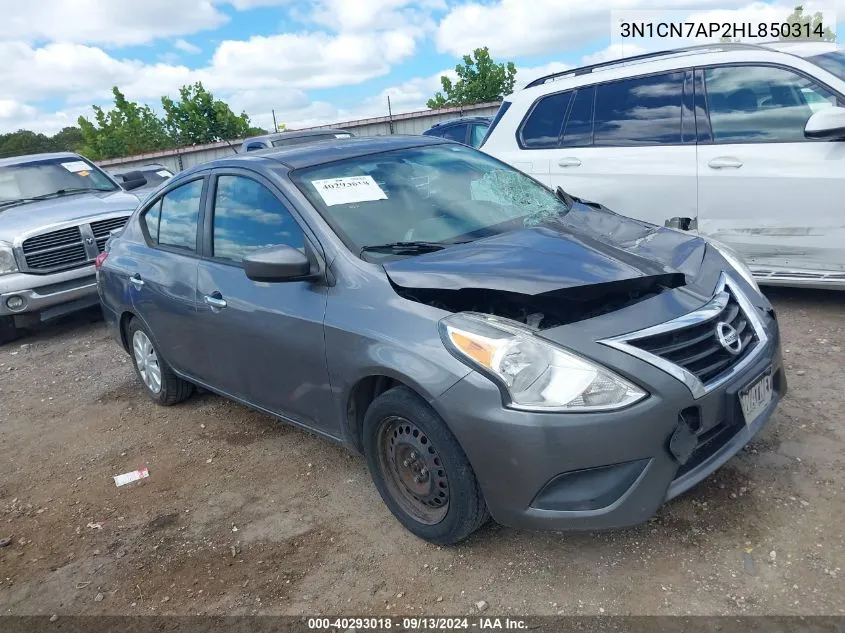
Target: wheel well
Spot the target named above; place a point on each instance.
(362, 395)
(125, 318)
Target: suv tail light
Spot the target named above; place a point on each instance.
(101, 259)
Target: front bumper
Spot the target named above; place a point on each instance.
(608, 470)
(48, 296)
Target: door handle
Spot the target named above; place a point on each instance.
(569, 162)
(215, 300)
(136, 281)
(725, 162)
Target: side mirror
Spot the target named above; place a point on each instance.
(133, 180)
(277, 263)
(827, 124)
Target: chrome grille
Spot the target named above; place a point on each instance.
(69, 247)
(103, 228)
(56, 249)
(686, 347)
(697, 349)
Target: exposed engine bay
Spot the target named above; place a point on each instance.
(550, 309)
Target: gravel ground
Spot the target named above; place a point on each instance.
(242, 514)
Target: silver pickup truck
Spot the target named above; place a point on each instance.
(56, 213)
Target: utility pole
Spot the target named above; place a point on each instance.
(390, 114)
(275, 127)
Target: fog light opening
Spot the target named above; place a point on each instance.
(15, 303)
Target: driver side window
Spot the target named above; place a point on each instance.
(248, 216)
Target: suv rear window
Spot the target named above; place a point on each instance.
(640, 111)
(542, 128)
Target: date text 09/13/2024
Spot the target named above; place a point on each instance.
(417, 623)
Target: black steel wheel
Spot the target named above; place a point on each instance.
(413, 470)
(420, 470)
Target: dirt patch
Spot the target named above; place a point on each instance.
(244, 514)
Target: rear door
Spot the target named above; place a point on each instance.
(163, 273)
(630, 145)
(764, 189)
(263, 342)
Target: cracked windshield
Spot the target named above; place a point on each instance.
(439, 194)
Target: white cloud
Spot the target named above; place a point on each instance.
(307, 60)
(186, 47)
(116, 22)
(614, 51)
(526, 75)
(15, 115)
(512, 28)
(368, 15)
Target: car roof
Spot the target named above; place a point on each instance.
(321, 152)
(633, 65)
(31, 158)
(295, 134)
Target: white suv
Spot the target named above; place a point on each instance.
(743, 143)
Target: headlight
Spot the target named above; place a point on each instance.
(538, 376)
(7, 259)
(735, 260)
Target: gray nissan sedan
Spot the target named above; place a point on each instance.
(492, 347)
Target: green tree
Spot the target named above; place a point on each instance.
(814, 24)
(126, 129)
(480, 79)
(24, 142)
(198, 118)
(69, 139)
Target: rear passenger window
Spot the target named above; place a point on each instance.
(542, 128)
(248, 216)
(579, 124)
(640, 111)
(757, 104)
(179, 211)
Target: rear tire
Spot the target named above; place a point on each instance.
(8, 330)
(420, 470)
(161, 384)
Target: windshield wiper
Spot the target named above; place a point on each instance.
(53, 194)
(410, 248)
(70, 190)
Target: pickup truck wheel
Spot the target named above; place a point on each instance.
(8, 331)
(420, 469)
(161, 384)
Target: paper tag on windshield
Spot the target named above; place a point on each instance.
(350, 189)
(76, 166)
(163, 173)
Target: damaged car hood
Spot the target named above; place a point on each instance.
(590, 245)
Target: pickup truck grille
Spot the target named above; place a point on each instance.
(69, 247)
(103, 228)
(697, 349)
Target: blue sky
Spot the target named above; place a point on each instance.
(313, 62)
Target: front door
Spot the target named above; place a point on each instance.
(263, 341)
(764, 189)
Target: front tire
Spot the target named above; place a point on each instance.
(161, 384)
(420, 470)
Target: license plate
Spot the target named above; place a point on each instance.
(756, 397)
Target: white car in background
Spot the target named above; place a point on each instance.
(743, 143)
